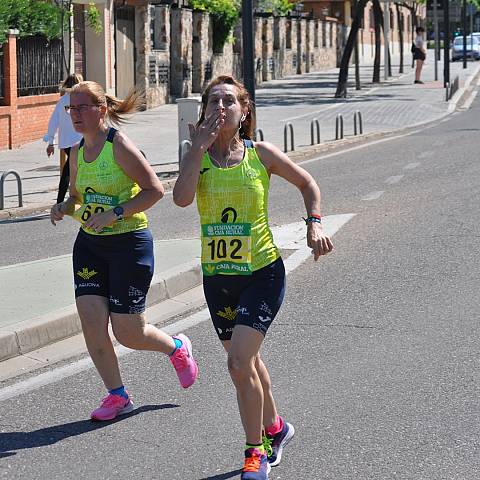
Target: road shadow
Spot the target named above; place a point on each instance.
(224, 476)
(12, 442)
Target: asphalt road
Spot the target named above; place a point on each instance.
(374, 355)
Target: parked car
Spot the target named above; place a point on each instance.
(473, 48)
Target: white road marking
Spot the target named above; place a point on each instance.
(394, 179)
(411, 166)
(373, 195)
(289, 236)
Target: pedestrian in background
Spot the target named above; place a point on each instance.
(61, 122)
(420, 54)
(113, 184)
(243, 273)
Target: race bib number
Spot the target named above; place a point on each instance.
(226, 248)
(96, 203)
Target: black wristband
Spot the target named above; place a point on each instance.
(312, 220)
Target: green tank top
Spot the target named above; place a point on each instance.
(103, 185)
(233, 207)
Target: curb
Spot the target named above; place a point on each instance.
(41, 331)
(461, 94)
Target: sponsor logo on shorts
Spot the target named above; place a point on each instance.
(228, 313)
(86, 274)
(264, 319)
(265, 308)
(243, 311)
(227, 330)
(88, 285)
(135, 292)
(115, 301)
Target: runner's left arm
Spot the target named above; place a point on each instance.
(279, 164)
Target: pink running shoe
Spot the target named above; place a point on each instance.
(112, 406)
(183, 362)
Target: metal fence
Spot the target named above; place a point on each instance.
(39, 65)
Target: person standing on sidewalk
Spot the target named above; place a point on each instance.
(61, 122)
(420, 54)
(113, 184)
(243, 273)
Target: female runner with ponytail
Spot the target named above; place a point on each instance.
(111, 185)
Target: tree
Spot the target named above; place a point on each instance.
(30, 17)
(277, 7)
(400, 35)
(347, 52)
(378, 22)
(224, 14)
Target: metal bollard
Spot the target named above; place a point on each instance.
(447, 92)
(288, 126)
(259, 134)
(19, 188)
(358, 115)
(182, 150)
(314, 123)
(339, 127)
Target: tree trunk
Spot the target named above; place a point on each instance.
(347, 53)
(378, 20)
(356, 56)
(400, 36)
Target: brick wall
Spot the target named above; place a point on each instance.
(22, 119)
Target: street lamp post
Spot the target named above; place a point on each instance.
(446, 42)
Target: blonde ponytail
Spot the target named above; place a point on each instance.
(117, 109)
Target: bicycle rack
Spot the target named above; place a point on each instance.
(182, 149)
(19, 188)
(259, 134)
(314, 125)
(288, 127)
(339, 127)
(357, 117)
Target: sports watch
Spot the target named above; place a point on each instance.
(118, 211)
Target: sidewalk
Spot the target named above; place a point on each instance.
(385, 107)
(41, 311)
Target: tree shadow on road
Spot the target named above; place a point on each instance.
(11, 442)
(224, 476)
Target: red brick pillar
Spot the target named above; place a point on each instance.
(10, 83)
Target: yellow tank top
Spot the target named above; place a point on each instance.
(233, 207)
(103, 185)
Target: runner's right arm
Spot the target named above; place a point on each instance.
(202, 137)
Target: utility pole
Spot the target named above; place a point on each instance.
(436, 39)
(464, 29)
(248, 48)
(446, 42)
